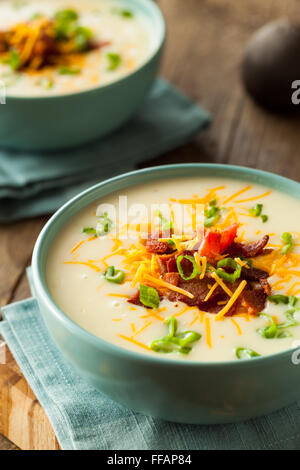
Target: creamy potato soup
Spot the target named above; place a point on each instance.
(197, 269)
(64, 46)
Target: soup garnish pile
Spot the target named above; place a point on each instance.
(219, 289)
(50, 47)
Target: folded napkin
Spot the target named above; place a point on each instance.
(38, 183)
(85, 419)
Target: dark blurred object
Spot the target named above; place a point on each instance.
(271, 64)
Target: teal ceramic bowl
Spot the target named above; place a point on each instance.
(70, 120)
(181, 391)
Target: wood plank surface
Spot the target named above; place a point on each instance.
(205, 44)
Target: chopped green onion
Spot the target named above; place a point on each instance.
(229, 263)
(172, 323)
(114, 275)
(46, 83)
(180, 270)
(211, 215)
(114, 60)
(213, 202)
(82, 38)
(245, 353)
(127, 13)
(66, 15)
(290, 319)
(270, 331)
(104, 224)
(89, 230)
(293, 300)
(166, 224)
(279, 299)
(179, 342)
(14, 60)
(69, 71)
(149, 296)
(256, 210)
(287, 239)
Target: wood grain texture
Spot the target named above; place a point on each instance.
(22, 419)
(205, 44)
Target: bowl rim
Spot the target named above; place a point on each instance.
(155, 9)
(40, 286)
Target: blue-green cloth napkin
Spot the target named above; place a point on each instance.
(38, 183)
(83, 418)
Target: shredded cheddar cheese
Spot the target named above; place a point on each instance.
(231, 301)
(213, 288)
(222, 284)
(167, 285)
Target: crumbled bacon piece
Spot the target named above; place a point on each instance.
(266, 286)
(215, 242)
(248, 250)
(253, 300)
(254, 274)
(198, 287)
(153, 245)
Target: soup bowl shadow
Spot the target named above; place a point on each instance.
(56, 122)
(172, 389)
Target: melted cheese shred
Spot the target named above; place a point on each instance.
(167, 285)
(231, 301)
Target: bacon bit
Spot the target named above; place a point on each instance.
(216, 242)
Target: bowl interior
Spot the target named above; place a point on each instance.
(127, 180)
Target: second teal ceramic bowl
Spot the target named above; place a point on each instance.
(62, 121)
(182, 391)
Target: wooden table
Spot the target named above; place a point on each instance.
(206, 39)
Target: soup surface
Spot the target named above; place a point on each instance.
(199, 269)
(64, 46)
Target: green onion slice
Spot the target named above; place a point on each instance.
(279, 299)
(180, 270)
(270, 331)
(212, 214)
(229, 263)
(114, 60)
(256, 210)
(287, 239)
(246, 353)
(104, 225)
(89, 230)
(179, 342)
(114, 275)
(149, 296)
